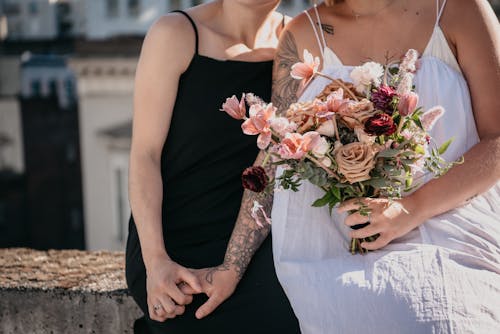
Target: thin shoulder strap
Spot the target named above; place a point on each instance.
(439, 11)
(283, 21)
(192, 23)
(321, 49)
(320, 26)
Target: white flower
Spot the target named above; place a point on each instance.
(321, 148)
(282, 125)
(369, 73)
(327, 128)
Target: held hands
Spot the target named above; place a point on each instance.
(218, 283)
(389, 218)
(166, 284)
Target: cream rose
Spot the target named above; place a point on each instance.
(368, 74)
(321, 148)
(356, 113)
(355, 161)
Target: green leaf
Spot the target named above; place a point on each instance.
(323, 200)
(408, 182)
(419, 149)
(336, 193)
(377, 183)
(445, 146)
(389, 153)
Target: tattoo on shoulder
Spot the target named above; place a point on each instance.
(284, 86)
(328, 28)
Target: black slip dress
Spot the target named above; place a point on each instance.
(202, 160)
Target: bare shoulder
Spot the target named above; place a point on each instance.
(172, 39)
(469, 17)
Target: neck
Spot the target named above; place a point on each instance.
(367, 7)
(244, 20)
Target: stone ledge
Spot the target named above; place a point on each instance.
(65, 291)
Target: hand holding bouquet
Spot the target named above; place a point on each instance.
(367, 138)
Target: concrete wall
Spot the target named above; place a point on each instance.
(62, 292)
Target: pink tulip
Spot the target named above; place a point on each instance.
(259, 123)
(431, 116)
(407, 104)
(234, 108)
(295, 146)
(306, 69)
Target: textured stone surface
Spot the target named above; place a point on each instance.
(64, 292)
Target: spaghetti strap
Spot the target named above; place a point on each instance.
(319, 26)
(321, 49)
(439, 11)
(192, 23)
(283, 22)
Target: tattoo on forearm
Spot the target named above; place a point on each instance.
(247, 236)
(328, 28)
(284, 86)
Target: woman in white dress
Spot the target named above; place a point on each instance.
(436, 267)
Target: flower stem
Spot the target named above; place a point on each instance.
(326, 169)
(341, 84)
(400, 125)
(266, 158)
(334, 120)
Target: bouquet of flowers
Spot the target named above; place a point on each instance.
(367, 138)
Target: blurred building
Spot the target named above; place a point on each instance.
(42, 196)
(91, 108)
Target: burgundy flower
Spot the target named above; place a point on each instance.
(382, 98)
(254, 178)
(380, 124)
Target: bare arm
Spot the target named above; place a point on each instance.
(220, 282)
(472, 26)
(156, 81)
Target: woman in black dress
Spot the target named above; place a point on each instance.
(189, 243)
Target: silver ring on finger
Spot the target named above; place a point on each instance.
(157, 307)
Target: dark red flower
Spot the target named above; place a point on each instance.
(382, 98)
(255, 179)
(380, 124)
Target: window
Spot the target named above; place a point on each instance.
(120, 205)
(119, 195)
(11, 9)
(33, 8)
(52, 87)
(36, 88)
(133, 7)
(112, 8)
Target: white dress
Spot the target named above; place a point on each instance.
(443, 277)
